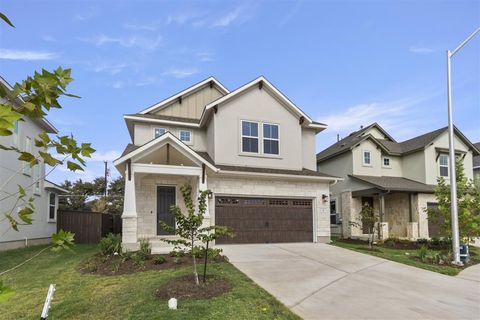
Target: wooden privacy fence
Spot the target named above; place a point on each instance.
(89, 227)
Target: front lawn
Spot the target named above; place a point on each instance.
(409, 256)
(132, 296)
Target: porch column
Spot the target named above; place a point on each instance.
(383, 226)
(202, 186)
(412, 228)
(129, 215)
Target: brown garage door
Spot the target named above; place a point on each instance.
(265, 220)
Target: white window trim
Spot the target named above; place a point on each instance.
(258, 137)
(363, 158)
(180, 136)
(447, 166)
(16, 135)
(37, 173)
(271, 139)
(155, 128)
(383, 162)
(48, 207)
(26, 169)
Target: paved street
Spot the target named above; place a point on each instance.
(319, 281)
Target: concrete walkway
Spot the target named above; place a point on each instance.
(319, 281)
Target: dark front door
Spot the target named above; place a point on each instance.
(165, 199)
(366, 224)
(265, 220)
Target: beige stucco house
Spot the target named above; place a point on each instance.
(476, 166)
(252, 148)
(396, 178)
(14, 173)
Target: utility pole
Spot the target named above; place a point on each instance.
(451, 146)
(106, 179)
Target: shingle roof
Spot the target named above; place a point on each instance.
(129, 148)
(163, 117)
(476, 159)
(395, 183)
(421, 141)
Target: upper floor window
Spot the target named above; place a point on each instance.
(367, 158)
(159, 131)
(386, 162)
(186, 136)
(28, 148)
(443, 165)
(270, 138)
(249, 136)
(15, 134)
(52, 206)
(36, 178)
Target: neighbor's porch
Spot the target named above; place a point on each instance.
(399, 214)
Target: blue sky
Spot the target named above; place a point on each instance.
(345, 63)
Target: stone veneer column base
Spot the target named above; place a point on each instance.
(129, 233)
(383, 230)
(412, 231)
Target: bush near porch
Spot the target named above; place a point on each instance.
(432, 255)
(132, 296)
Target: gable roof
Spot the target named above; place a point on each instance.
(263, 83)
(132, 151)
(203, 83)
(390, 147)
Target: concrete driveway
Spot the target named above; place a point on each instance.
(319, 281)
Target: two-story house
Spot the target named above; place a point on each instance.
(396, 178)
(252, 148)
(14, 172)
(476, 166)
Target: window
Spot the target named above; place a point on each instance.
(249, 136)
(52, 206)
(159, 131)
(185, 136)
(386, 162)
(270, 138)
(28, 148)
(36, 178)
(443, 165)
(333, 211)
(367, 158)
(15, 134)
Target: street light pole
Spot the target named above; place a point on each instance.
(451, 146)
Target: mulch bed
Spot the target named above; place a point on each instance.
(185, 288)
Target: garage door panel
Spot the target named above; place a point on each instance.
(263, 220)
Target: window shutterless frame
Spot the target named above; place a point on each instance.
(443, 165)
(158, 131)
(386, 162)
(271, 134)
(367, 158)
(185, 135)
(249, 136)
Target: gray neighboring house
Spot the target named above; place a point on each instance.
(396, 178)
(476, 166)
(14, 172)
(252, 148)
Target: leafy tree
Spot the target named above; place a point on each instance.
(368, 220)
(193, 237)
(468, 202)
(33, 98)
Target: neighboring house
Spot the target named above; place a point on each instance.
(251, 147)
(14, 172)
(396, 178)
(476, 166)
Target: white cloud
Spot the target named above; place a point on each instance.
(146, 81)
(180, 73)
(48, 38)
(227, 19)
(421, 50)
(84, 16)
(99, 156)
(149, 43)
(112, 68)
(205, 56)
(29, 55)
(140, 27)
(182, 18)
(118, 85)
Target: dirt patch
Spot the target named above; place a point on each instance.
(185, 288)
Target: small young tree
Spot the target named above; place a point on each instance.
(368, 221)
(468, 202)
(189, 226)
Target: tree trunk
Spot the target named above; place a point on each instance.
(195, 273)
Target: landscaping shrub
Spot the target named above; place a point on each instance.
(111, 244)
(213, 253)
(91, 266)
(177, 253)
(159, 260)
(138, 259)
(145, 249)
(423, 252)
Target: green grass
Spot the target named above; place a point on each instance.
(121, 297)
(404, 256)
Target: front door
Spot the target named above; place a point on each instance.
(367, 224)
(165, 199)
